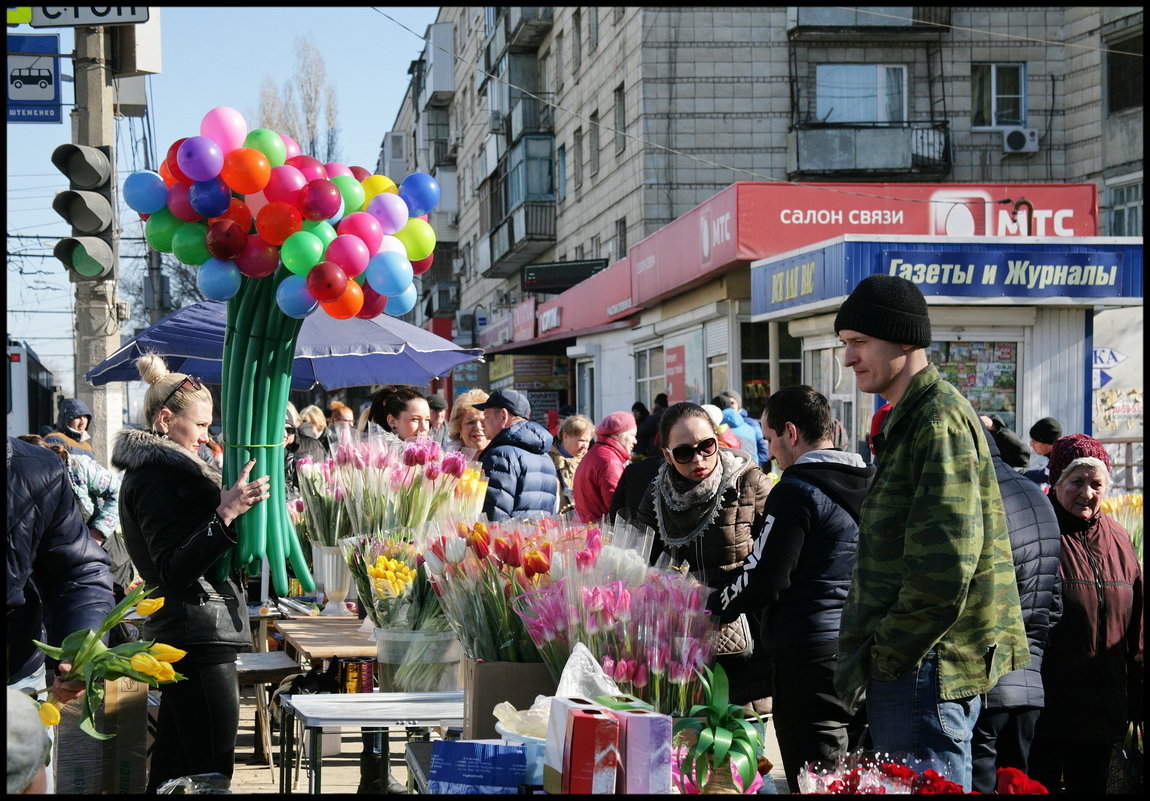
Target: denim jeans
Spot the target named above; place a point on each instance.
(907, 717)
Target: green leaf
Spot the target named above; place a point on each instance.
(722, 745)
(706, 740)
(93, 700)
(747, 768)
(746, 731)
(719, 696)
(687, 724)
(121, 609)
(130, 649)
(702, 770)
(75, 643)
(51, 651)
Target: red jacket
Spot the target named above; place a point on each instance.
(596, 478)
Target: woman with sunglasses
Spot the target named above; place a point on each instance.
(706, 507)
(177, 520)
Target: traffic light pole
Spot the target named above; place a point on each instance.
(96, 313)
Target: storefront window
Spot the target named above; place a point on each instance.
(585, 388)
(984, 372)
(650, 379)
(754, 341)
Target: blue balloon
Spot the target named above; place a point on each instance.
(389, 273)
(398, 305)
(218, 280)
(209, 198)
(145, 192)
(293, 298)
(421, 193)
(333, 219)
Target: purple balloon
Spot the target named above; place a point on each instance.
(200, 158)
(391, 210)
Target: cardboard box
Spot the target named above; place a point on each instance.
(624, 701)
(487, 684)
(553, 751)
(591, 752)
(119, 765)
(644, 752)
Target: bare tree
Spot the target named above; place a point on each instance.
(305, 106)
(332, 125)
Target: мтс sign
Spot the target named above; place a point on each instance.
(75, 16)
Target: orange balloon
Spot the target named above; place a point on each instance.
(166, 174)
(346, 305)
(246, 170)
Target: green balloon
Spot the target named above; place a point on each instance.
(301, 251)
(418, 237)
(189, 245)
(321, 228)
(352, 191)
(268, 142)
(160, 228)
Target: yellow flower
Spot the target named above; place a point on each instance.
(49, 713)
(166, 653)
(165, 672)
(146, 663)
(148, 606)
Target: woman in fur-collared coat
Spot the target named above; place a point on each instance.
(177, 523)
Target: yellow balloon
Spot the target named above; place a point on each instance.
(418, 238)
(373, 185)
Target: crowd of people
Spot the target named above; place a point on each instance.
(954, 594)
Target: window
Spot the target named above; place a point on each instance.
(561, 169)
(621, 237)
(593, 145)
(529, 175)
(578, 253)
(650, 379)
(559, 61)
(576, 42)
(754, 340)
(1125, 210)
(997, 95)
(1124, 74)
(596, 247)
(620, 120)
(577, 157)
(592, 28)
(860, 93)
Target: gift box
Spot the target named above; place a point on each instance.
(486, 684)
(623, 701)
(553, 752)
(460, 767)
(644, 752)
(591, 752)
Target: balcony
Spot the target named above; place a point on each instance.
(526, 233)
(870, 150)
(527, 27)
(531, 116)
(867, 23)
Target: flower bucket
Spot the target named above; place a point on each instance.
(417, 661)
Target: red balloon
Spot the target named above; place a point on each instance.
(179, 204)
(327, 281)
(258, 259)
(173, 167)
(277, 221)
(166, 174)
(311, 167)
(359, 173)
(239, 213)
(346, 305)
(423, 265)
(373, 304)
(285, 184)
(225, 239)
(319, 200)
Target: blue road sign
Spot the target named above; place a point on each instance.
(33, 78)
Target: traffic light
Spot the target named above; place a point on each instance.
(89, 254)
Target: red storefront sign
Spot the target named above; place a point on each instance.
(523, 321)
(675, 370)
(600, 299)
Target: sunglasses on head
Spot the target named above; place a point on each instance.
(684, 454)
(191, 381)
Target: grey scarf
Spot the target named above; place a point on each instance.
(692, 508)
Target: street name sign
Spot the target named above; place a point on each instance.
(77, 16)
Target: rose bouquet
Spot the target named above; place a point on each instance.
(860, 773)
(93, 662)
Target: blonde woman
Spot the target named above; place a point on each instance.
(312, 422)
(465, 430)
(572, 442)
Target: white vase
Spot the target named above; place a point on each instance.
(334, 575)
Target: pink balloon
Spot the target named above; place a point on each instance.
(335, 168)
(259, 258)
(392, 244)
(255, 202)
(423, 217)
(350, 253)
(292, 146)
(226, 126)
(179, 204)
(285, 184)
(364, 226)
(311, 167)
(391, 211)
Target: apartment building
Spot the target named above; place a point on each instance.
(610, 174)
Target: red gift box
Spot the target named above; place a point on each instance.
(590, 751)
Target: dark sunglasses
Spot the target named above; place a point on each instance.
(289, 429)
(685, 453)
(191, 381)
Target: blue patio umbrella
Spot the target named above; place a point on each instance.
(329, 352)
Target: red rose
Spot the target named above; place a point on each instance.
(1012, 781)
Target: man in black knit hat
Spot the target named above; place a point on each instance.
(1043, 434)
(932, 618)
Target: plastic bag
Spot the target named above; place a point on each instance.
(584, 677)
(531, 722)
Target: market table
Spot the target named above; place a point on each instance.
(359, 710)
(321, 637)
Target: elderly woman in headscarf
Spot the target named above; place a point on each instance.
(1092, 671)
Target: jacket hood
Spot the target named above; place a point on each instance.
(734, 419)
(845, 481)
(528, 435)
(70, 408)
(136, 449)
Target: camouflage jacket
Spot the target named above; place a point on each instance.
(934, 563)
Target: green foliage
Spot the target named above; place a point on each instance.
(722, 733)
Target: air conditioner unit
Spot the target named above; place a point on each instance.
(1020, 140)
(496, 122)
(465, 334)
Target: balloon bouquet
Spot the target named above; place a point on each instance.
(279, 235)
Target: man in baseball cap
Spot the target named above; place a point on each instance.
(932, 617)
(521, 478)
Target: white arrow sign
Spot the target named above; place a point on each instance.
(1107, 357)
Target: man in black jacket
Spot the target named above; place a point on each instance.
(1005, 727)
(798, 574)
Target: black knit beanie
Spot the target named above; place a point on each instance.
(889, 308)
(1046, 431)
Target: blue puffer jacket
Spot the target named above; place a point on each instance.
(741, 429)
(1036, 542)
(521, 477)
(59, 579)
(762, 450)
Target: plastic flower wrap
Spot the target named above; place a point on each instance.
(861, 773)
(648, 626)
(93, 662)
(476, 567)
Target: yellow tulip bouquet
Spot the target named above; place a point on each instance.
(93, 662)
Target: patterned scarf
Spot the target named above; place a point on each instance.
(693, 506)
